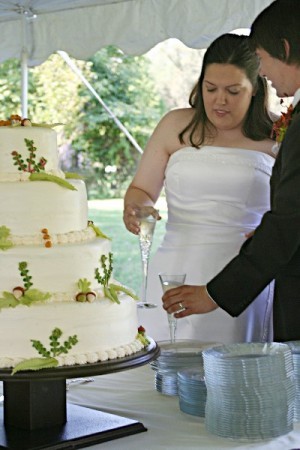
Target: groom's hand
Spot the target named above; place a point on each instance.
(186, 300)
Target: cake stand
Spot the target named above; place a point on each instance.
(36, 414)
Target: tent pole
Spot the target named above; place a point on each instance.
(80, 75)
(24, 64)
(24, 83)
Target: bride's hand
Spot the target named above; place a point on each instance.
(131, 216)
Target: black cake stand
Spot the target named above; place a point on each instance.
(36, 414)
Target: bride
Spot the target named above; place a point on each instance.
(214, 160)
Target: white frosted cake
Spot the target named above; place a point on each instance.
(52, 268)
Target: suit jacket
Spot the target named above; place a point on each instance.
(274, 250)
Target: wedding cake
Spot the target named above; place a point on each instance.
(56, 266)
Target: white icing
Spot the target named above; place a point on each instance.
(12, 139)
(26, 208)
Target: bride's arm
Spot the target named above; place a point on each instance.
(146, 186)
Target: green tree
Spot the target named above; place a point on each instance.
(124, 84)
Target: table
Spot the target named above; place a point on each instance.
(132, 394)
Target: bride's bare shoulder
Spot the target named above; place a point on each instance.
(180, 116)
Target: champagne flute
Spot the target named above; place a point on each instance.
(170, 281)
(147, 226)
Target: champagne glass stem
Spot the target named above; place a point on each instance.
(172, 327)
(145, 261)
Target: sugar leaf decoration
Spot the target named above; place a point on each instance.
(97, 230)
(30, 165)
(110, 290)
(5, 243)
(49, 177)
(48, 356)
(23, 295)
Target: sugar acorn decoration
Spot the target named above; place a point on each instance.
(80, 297)
(91, 296)
(18, 292)
(85, 293)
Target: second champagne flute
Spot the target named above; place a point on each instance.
(170, 281)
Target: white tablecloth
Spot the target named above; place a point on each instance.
(132, 394)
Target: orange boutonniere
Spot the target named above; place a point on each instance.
(282, 124)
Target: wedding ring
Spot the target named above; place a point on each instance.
(181, 306)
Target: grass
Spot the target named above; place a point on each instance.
(107, 215)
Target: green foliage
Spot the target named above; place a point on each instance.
(124, 84)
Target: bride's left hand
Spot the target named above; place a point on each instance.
(188, 300)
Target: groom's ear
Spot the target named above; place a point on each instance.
(287, 49)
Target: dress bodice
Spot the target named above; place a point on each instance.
(221, 191)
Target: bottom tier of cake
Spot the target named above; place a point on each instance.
(105, 330)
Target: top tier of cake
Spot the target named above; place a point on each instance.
(27, 207)
(12, 139)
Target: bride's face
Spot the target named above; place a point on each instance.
(227, 94)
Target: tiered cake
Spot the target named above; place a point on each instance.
(55, 264)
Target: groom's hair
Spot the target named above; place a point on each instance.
(278, 22)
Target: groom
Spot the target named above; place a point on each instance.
(274, 250)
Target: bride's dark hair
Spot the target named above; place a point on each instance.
(231, 49)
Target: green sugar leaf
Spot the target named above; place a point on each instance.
(5, 243)
(84, 285)
(8, 300)
(113, 294)
(40, 176)
(34, 295)
(46, 125)
(4, 232)
(35, 364)
(107, 293)
(98, 231)
(73, 175)
(119, 288)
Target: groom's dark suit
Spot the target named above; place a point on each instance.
(274, 250)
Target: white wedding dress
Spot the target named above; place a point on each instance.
(214, 195)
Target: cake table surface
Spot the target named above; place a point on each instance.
(132, 394)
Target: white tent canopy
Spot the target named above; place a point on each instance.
(81, 27)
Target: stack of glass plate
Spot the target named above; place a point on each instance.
(192, 391)
(250, 390)
(174, 357)
(295, 348)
